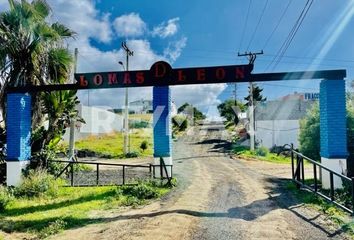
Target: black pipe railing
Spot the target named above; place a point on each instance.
(69, 169)
(298, 176)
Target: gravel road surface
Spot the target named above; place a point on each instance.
(218, 197)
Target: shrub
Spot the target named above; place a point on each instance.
(37, 183)
(140, 191)
(55, 168)
(139, 124)
(41, 158)
(5, 198)
(132, 154)
(131, 201)
(173, 183)
(53, 228)
(144, 145)
(262, 151)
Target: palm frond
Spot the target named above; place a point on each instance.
(59, 65)
(62, 30)
(42, 8)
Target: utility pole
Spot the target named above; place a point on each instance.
(251, 58)
(235, 94)
(72, 123)
(126, 110)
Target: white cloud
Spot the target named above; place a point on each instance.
(82, 17)
(174, 49)
(202, 96)
(130, 25)
(88, 22)
(164, 29)
(93, 60)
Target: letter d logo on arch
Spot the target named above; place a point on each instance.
(161, 72)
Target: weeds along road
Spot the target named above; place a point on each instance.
(217, 198)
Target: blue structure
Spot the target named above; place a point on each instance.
(332, 109)
(162, 119)
(18, 118)
(333, 119)
(19, 127)
(333, 129)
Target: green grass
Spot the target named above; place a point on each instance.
(112, 144)
(337, 215)
(73, 207)
(142, 117)
(268, 157)
(262, 154)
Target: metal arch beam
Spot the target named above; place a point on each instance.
(189, 75)
(281, 76)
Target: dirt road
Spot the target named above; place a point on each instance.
(217, 198)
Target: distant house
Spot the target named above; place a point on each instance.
(278, 122)
(140, 106)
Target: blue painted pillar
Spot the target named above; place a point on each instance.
(162, 126)
(18, 129)
(333, 129)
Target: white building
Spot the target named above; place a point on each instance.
(140, 106)
(278, 122)
(98, 122)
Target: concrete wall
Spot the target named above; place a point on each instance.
(277, 132)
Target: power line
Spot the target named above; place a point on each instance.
(221, 56)
(288, 37)
(258, 23)
(292, 34)
(278, 130)
(278, 24)
(245, 25)
(287, 86)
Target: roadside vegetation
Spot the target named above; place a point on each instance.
(310, 134)
(111, 145)
(40, 207)
(261, 153)
(34, 52)
(187, 116)
(335, 214)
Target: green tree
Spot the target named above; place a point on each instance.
(183, 107)
(257, 95)
(144, 145)
(229, 111)
(190, 109)
(33, 52)
(310, 135)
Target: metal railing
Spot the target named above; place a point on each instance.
(298, 176)
(150, 171)
(163, 170)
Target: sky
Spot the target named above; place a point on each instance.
(207, 33)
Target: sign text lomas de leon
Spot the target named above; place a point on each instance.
(161, 74)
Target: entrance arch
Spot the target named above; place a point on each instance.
(160, 77)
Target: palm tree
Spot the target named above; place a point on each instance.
(32, 52)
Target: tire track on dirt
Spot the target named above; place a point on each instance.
(217, 198)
